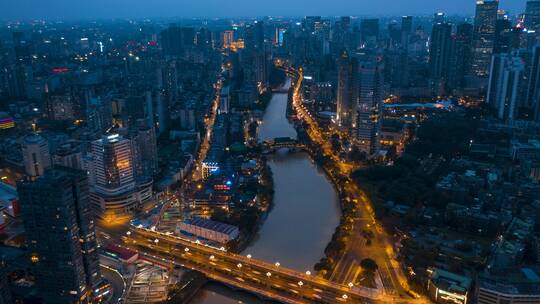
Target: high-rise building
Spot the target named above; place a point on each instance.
(36, 155)
(461, 55)
(113, 166)
(406, 30)
(503, 36)
(369, 31)
(505, 82)
(533, 91)
(439, 18)
(175, 40)
(5, 293)
(227, 38)
(532, 16)
(69, 155)
(484, 36)
(407, 24)
(347, 92)
(60, 235)
(115, 191)
(99, 114)
(439, 56)
(370, 80)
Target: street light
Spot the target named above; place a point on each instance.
(351, 284)
(345, 297)
(268, 274)
(277, 264)
(308, 272)
(156, 241)
(186, 249)
(300, 283)
(249, 256)
(211, 257)
(239, 265)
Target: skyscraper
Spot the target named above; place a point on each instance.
(461, 55)
(60, 235)
(36, 156)
(347, 92)
(505, 81)
(532, 16)
(533, 92)
(370, 79)
(484, 36)
(439, 56)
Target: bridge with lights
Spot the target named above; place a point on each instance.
(268, 280)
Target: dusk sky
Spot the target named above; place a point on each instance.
(92, 9)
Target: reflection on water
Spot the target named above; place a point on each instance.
(304, 216)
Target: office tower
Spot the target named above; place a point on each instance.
(115, 192)
(347, 92)
(99, 115)
(439, 18)
(439, 56)
(484, 36)
(176, 40)
(370, 79)
(113, 166)
(60, 235)
(532, 16)
(369, 31)
(503, 34)
(505, 81)
(407, 24)
(36, 155)
(533, 91)
(406, 30)
(461, 55)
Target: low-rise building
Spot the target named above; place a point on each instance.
(448, 288)
(208, 230)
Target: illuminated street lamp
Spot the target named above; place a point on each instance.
(186, 249)
(308, 272)
(351, 284)
(239, 265)
(344, 297)
(156, 241)
(268, 274)
(249, 256)
(212, 257)
(300, 283)
(277, 264)
(128, 233)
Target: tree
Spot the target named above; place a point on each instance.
(369, 265)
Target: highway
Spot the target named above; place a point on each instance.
(270, 280)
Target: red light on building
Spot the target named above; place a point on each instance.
(60, 70)
(152, 43)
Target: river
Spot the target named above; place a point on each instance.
(304, 216)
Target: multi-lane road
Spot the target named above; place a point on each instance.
(273, 281)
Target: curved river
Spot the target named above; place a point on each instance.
(304, 216)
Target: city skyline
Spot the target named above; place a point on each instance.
(100, 9)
